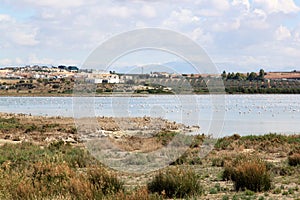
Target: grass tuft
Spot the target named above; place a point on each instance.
(248, 173)
(175, 182)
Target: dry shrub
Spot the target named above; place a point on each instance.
(103, 182)
(53, 180)
(175, 182)
(294, 159)
(44, 180)
(248, 173)
(80, 188)
(139, 194)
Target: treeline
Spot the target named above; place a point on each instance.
(249, 76)
(243, 90)
(234, 86)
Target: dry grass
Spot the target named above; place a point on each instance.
(176, 182)
(248, 173)
(294, 159)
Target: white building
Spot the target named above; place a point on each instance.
(103, 78)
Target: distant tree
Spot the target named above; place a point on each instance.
(224, 75)
(239, 76)
(230, 75)
(261, 75)
(252, 76)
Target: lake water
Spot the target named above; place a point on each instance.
(242, 114)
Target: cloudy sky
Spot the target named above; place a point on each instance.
(238, 35)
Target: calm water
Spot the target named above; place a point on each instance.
(242, 114)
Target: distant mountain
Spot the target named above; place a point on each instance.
(181, 67)
(176, 67)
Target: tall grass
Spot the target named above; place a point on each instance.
(28, 171)
(175, 182)
(248, 173)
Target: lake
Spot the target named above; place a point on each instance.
(242, 114)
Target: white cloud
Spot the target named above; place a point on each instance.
(276, 6)
(212, 8)
(17, 33)
(203, 38)
(33, 59)
(242, 3)
(5, 61)
(260, 14)
(56, 3)
(24, 37)
(282, 33)
(181, 18)
(148, 11)
(120, 11)
(224, 26)
(297, 36)
(5, 18)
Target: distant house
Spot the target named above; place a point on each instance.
(103, 78)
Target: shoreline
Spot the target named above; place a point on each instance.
(138, 95)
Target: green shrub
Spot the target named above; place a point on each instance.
(225, 197)
(6, 124)
(248, 173)
(175, 182)
(224, 143)
(213, 191)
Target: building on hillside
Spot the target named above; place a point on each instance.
(103, 78)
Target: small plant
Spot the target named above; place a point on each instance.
(218, 162)
(291, 191)
(249, 193)
(213, 191)
(285, 193)
(261, 198)
(277, 190)
(248, 173)
(235, 197)
(165, 137)
(175, 182)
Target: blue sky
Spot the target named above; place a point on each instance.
(238, 35)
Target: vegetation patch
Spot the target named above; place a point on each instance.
(294, 159)
(176, 182)
(248, 173)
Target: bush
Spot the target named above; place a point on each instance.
(46, 180)
(103, 182)
(141, 193)
(57, 171)
(175, 182)
(248, 173)
(294, 159)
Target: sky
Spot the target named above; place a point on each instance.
(238, 35)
